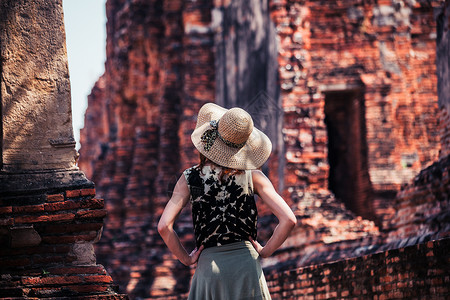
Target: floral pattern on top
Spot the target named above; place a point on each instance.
(223, 211)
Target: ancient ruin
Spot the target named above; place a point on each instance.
(354, 95)
(49, 216)
(346, 90)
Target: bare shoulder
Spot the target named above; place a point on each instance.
(260, 181)
(260, 177)
(182, 184)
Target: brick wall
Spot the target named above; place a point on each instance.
(422, 207)
(421, 271)
(47, 245)
(384, 51)
(136, 140)
(162, 67)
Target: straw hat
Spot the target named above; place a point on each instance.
(228, 138)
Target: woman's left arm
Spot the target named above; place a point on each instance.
(177, 202)
(286, 218)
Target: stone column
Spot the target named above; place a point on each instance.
(36, 129)
(49, 218)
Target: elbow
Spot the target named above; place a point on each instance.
(291, 221)
(163, 228)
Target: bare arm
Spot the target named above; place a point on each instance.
(177, 202)
(286, 218)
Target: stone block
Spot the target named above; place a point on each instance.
(24, 236)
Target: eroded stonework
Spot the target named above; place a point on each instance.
(49, 216)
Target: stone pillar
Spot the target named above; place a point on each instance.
(36, 130)
(49, 218)
(35, 89)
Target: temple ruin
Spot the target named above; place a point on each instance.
(49, 216)
(353, 94)
(346, 90)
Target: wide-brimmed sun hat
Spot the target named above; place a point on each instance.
(228, 138)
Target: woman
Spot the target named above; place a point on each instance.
(221, 191)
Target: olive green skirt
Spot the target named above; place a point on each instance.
(229, 272)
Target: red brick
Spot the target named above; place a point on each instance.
(73, 193)
(28, 208)
(30, 219)
(384, 97)
(52, 280)
(98, 213)
(344, 293)
(5, 210)
(87, 289)
(98, 279)
(66, 205)
(55, 198)
(93, 203)
(44, 218)
(78, 270)
(88, 192)
(112, 297)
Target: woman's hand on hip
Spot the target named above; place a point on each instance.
(258, 247)
(195, 254)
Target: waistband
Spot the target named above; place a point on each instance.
(229, 247)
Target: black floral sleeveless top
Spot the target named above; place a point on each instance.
(224, 211)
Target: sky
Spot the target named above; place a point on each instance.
(85, 23)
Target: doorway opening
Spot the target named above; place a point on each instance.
(347, 151)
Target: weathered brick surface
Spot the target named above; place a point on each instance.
(395, 69)
(404, 273)
(422, 208)
(359, 74)
(55, 198)
(134, 154)
(49, 266)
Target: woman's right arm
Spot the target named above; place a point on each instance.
(286, 218)
(177, 202)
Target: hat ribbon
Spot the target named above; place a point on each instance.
(209, 136)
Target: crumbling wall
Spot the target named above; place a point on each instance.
(416, 271)
(359, 67)
(354, 76)
(422, 206)
(136, 140)
(383, 50)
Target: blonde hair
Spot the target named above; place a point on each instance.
(225, 171)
